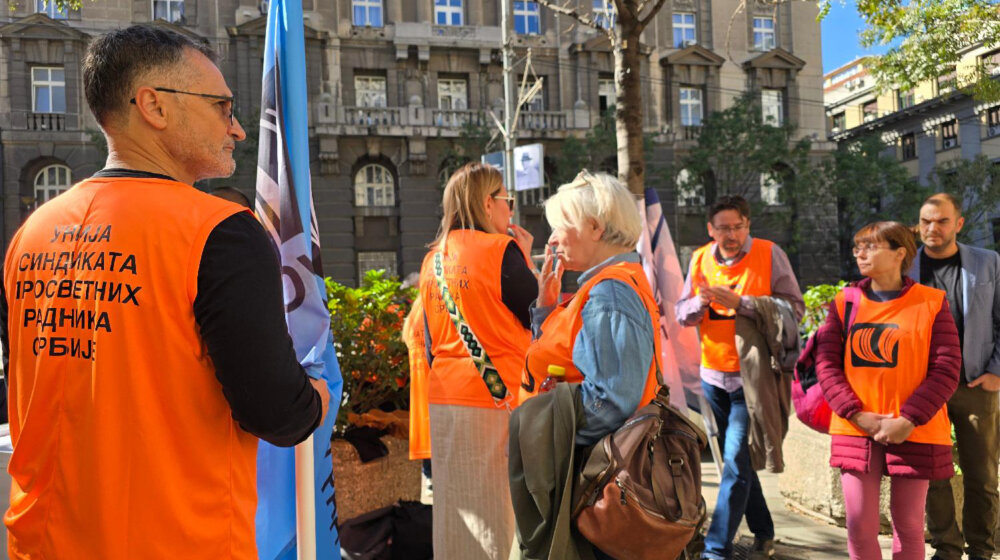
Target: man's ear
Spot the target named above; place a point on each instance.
(149, 103)
(959, 223)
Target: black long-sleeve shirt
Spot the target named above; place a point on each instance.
(240, 316)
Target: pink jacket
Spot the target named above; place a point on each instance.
(907, 459)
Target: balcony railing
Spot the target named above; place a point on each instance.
(373, 116)
(397, 120)
(457, 118)
(542, 120)
(27, 120)
(691, 132)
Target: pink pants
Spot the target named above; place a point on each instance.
(906, 507)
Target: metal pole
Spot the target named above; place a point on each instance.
(509, 102)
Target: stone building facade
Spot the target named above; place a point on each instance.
(392, 86)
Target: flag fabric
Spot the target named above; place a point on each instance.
(681, 350)
(285, 207)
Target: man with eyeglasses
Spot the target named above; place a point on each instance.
(725, 279)
(970, 278)
(148, 347)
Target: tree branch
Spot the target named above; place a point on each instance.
(649, 17)
(584, 18)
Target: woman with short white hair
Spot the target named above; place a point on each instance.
(604, 336)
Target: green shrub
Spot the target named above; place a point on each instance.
(366, 324)
(816, 299)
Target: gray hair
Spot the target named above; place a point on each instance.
(602, 198)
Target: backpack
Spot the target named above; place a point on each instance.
(811, 407)
(638, 492)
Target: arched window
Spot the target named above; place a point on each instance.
(374, 185)
(690, 191)
(51, 181)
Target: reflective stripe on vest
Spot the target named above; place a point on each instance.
(561, 327)
(886, 357)
(124, 445)
(472, 261)
(751, 276)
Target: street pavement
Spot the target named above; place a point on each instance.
(799, 536)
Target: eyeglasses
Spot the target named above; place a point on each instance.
(509, 199)
(228, 98)
(868, 248)
(730, 229)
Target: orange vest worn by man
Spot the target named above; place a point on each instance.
(750, 276)
(561, 327)
(125, 446)
(886, 359)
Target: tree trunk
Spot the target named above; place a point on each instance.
(628, 109)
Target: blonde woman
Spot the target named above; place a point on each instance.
(476, 280)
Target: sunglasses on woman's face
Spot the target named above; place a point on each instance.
(509, 199)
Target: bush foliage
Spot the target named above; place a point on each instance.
(366, 323)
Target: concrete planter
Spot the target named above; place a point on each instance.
(363, 487)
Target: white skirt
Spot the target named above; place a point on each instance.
(473, 516)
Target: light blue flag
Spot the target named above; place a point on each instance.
(285, 207)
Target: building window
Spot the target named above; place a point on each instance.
(772, 107)
(685, 30)
(905, 99)
(48, 90)
(369, 91)
(50, 182)
(527, 18)
(689, 192)
(770, 189)
(448, 12)
(993, 122)
(49, 8)
(946, 83)
(537, 101)
(991, 63)
(606, 94)
(374, 185)
(763, 33)
(691, 107)
(908, 146)
(169, 10)
(605, 13)
(839, 121)
(949, 134)
(869, 111)
(376, 260)
(452, 94)
(367, 13)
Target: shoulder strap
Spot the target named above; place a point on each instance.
(852, 298)
(489, 373)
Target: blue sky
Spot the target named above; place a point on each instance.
(840, 36)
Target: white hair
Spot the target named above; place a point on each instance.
(602, 198)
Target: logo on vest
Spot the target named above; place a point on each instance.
(874, 345)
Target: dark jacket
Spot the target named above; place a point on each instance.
(907, 459)
(762, 343)
(541, 458)
(980, 308)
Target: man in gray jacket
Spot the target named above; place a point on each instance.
(970, 277)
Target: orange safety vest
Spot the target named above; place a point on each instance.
(472, 262)
(886, 357)
(124, 445)
(413, 337)
(561, 327)
(751, 276)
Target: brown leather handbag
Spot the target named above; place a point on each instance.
(638, 493)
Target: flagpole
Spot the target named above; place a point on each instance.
(305, 500)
